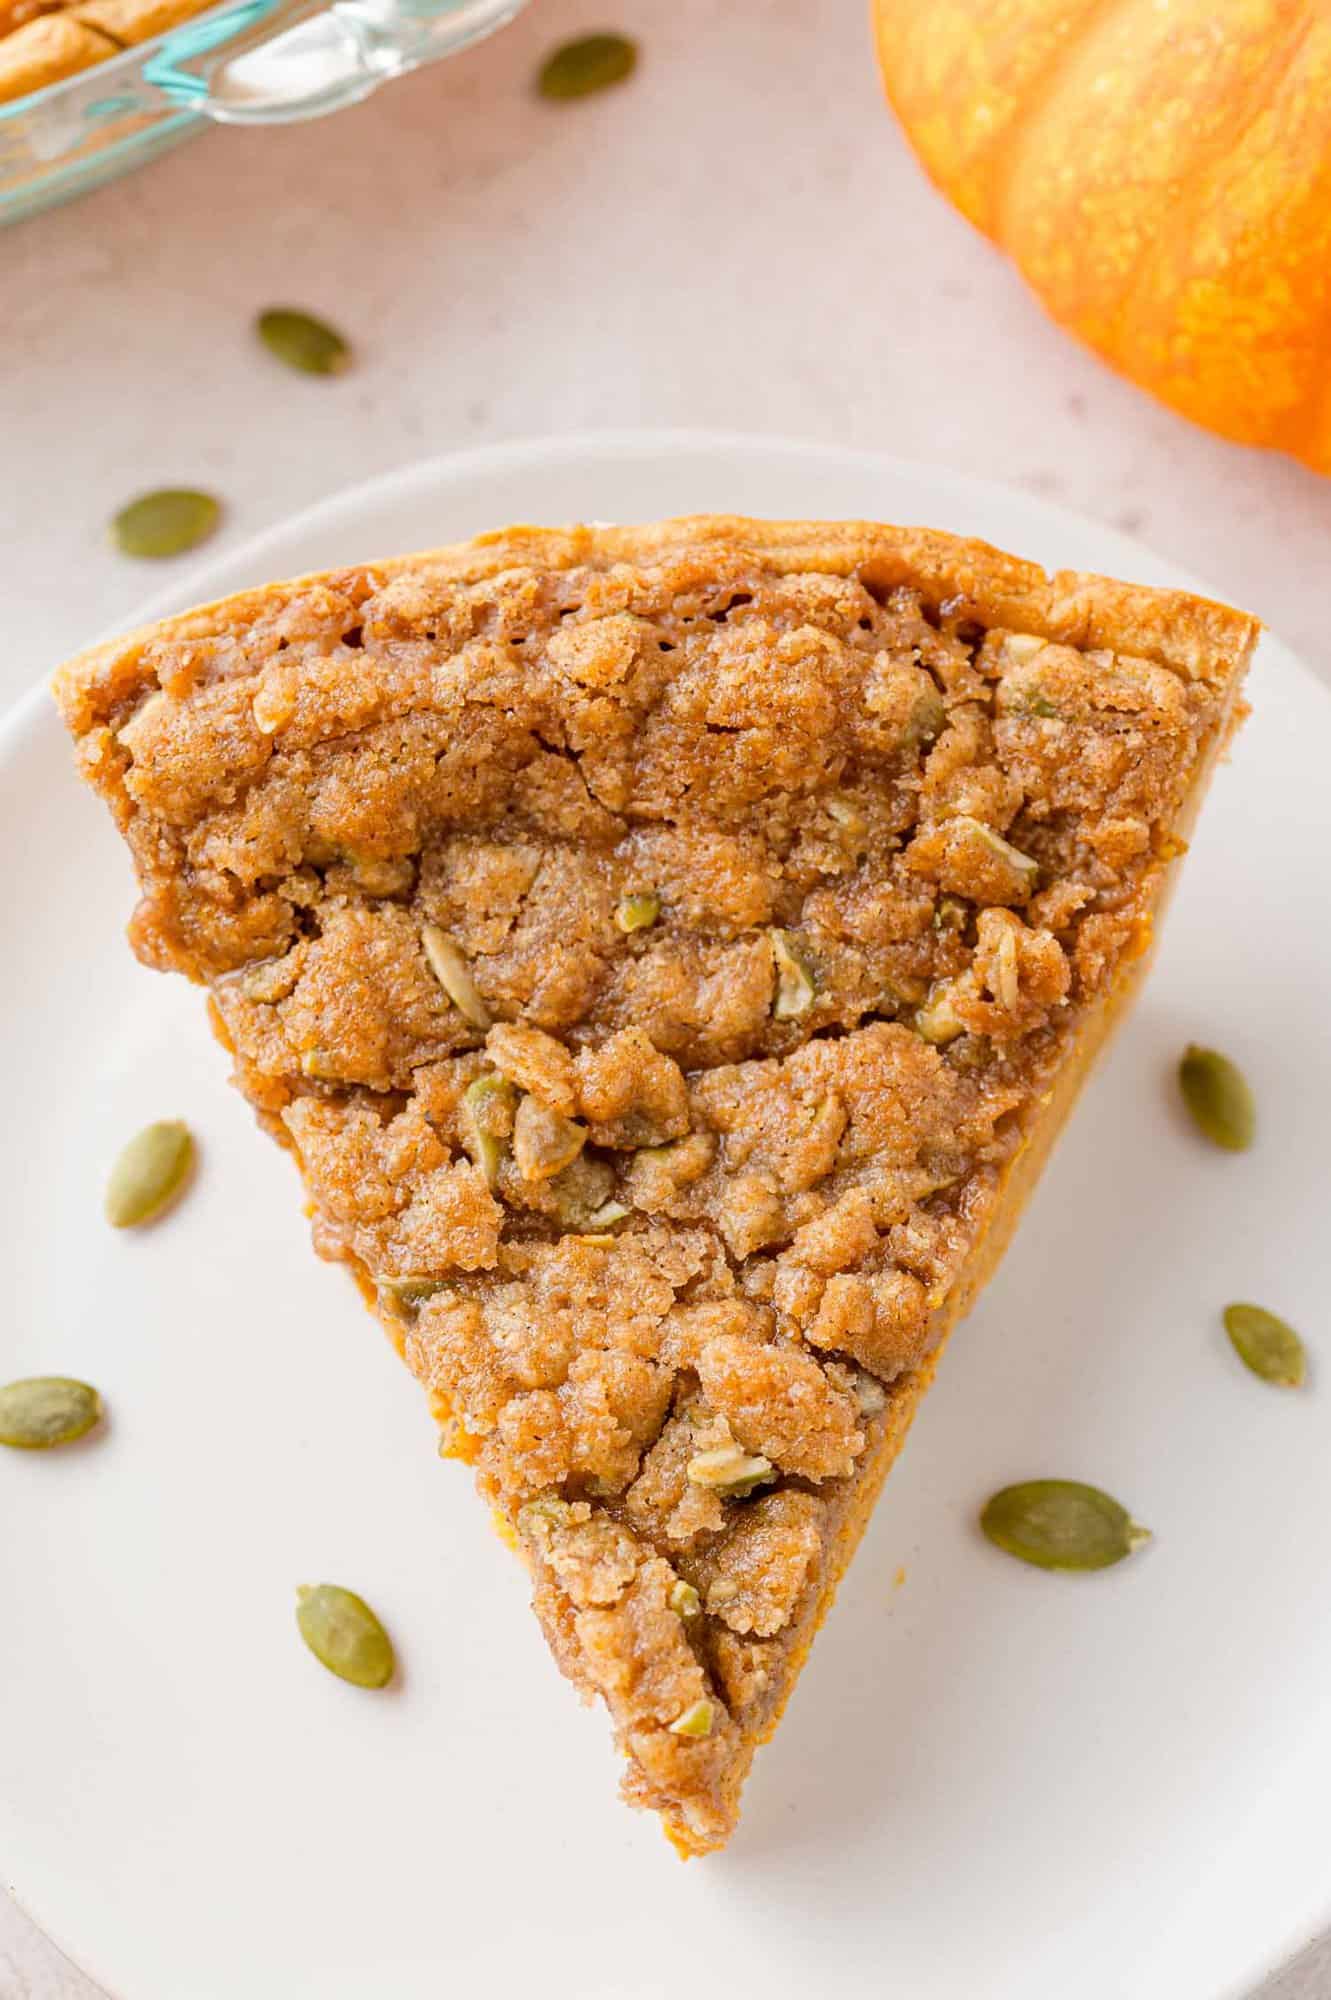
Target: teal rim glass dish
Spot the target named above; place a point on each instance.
(245, 62)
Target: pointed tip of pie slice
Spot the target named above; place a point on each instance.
(670, 954)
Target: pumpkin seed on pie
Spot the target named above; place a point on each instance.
(449, 965)
(729, 1470)
(638, 911)
(684, 1600)
(696, 1719)
(690, 1269)
(486, 1121)
(794, 980)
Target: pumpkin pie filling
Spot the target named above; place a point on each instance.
(670, 954)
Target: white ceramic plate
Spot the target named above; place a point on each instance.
(991, 1782)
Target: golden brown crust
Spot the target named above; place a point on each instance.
(14, 13)
(666, 950)
(129, 21)
(1192, 634)
(47, 50)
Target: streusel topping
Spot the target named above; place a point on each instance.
(654, 964)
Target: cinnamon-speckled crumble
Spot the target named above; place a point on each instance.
(657, 946)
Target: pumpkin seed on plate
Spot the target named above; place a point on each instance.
(592, 62)
(165, 523)
(344, 1635)
(302, 341)
(1061, 1524)
(46, 1410)
(150, 1174)
(1216, 1092)
(1267, 1345)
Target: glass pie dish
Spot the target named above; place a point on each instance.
(245, 62)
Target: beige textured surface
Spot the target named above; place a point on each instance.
(898, 329)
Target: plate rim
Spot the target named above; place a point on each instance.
(23, 722)
(198, 583)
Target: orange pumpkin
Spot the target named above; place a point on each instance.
(1160, 172)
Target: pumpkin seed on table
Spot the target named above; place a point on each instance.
(303, 342)
(1061, 1524)
(1217, 1094)
(344, 1635)
(1267, 1345)
(150, 1174)
(165, 523)
(592, 62)
(46, 1410)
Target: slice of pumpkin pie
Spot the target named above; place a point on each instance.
(669, 953)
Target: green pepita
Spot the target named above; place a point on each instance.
(592, 62)
(165, 523)
(794, 994)
(1267, 1345)
(696, 1720)
(486, 1120)
(541, 1517)
(450, 968)
(1061, 1524)
(1025, 869)
(847, 815)
(46, 1410)
(730, 1471)
(302, 341)
(938, 1021)
(1216, 1092)
(409, 1291)
(637, 912)
(544, 1141)
(150, 1174)
(344, 1635)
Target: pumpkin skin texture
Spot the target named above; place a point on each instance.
(1160, 173)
